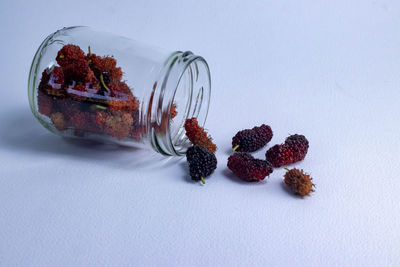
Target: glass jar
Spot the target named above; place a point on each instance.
(89, 84)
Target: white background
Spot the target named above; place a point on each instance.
(327, 69)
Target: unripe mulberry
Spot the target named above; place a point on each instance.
(197, 135)
(247, 168)
(250, 140)
(299, 182)
(202, 162)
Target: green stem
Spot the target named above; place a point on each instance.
(286, 169)
(89, 51)
(202, 180)
(100, 107)
(236, 147)
(102, 82)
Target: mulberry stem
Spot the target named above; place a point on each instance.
(100, 107)
(102, 82)
(236, 147)
(89, 51)
(202, 180)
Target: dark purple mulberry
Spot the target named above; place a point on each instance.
(202, 162)
(250, 140)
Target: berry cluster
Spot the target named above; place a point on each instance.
(86, 94)
(250, 169)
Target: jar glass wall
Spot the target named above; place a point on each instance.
(89, 84)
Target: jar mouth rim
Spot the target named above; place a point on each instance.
(187, 84)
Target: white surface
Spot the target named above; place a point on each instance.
(326, 70)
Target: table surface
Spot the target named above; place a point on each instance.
(329, 71)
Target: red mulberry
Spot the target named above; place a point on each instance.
(247, 168)
(299, 145)
(45, 103)
(197, 135)
(69, 54)
(76, 71)
(118, 125)
(174, 112)
(293, 150)
(129, 105)
(279, 155)
(57, 77)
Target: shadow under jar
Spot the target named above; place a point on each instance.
(90, 84)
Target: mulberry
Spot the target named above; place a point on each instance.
(197, 135)
(202, 162)
(91, 78)
(76, 71)
(299, 145)
(78, 120)
(57, 77)
(58, 121)
(293, 150)
(45, 103)
(101, 65)
(299, 182)
(129, 105)
(118, 125)
(250, 140)
(69, 54)
(174, 112)
(279, 155)
(247, 168)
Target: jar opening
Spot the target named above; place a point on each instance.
(185, 90)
